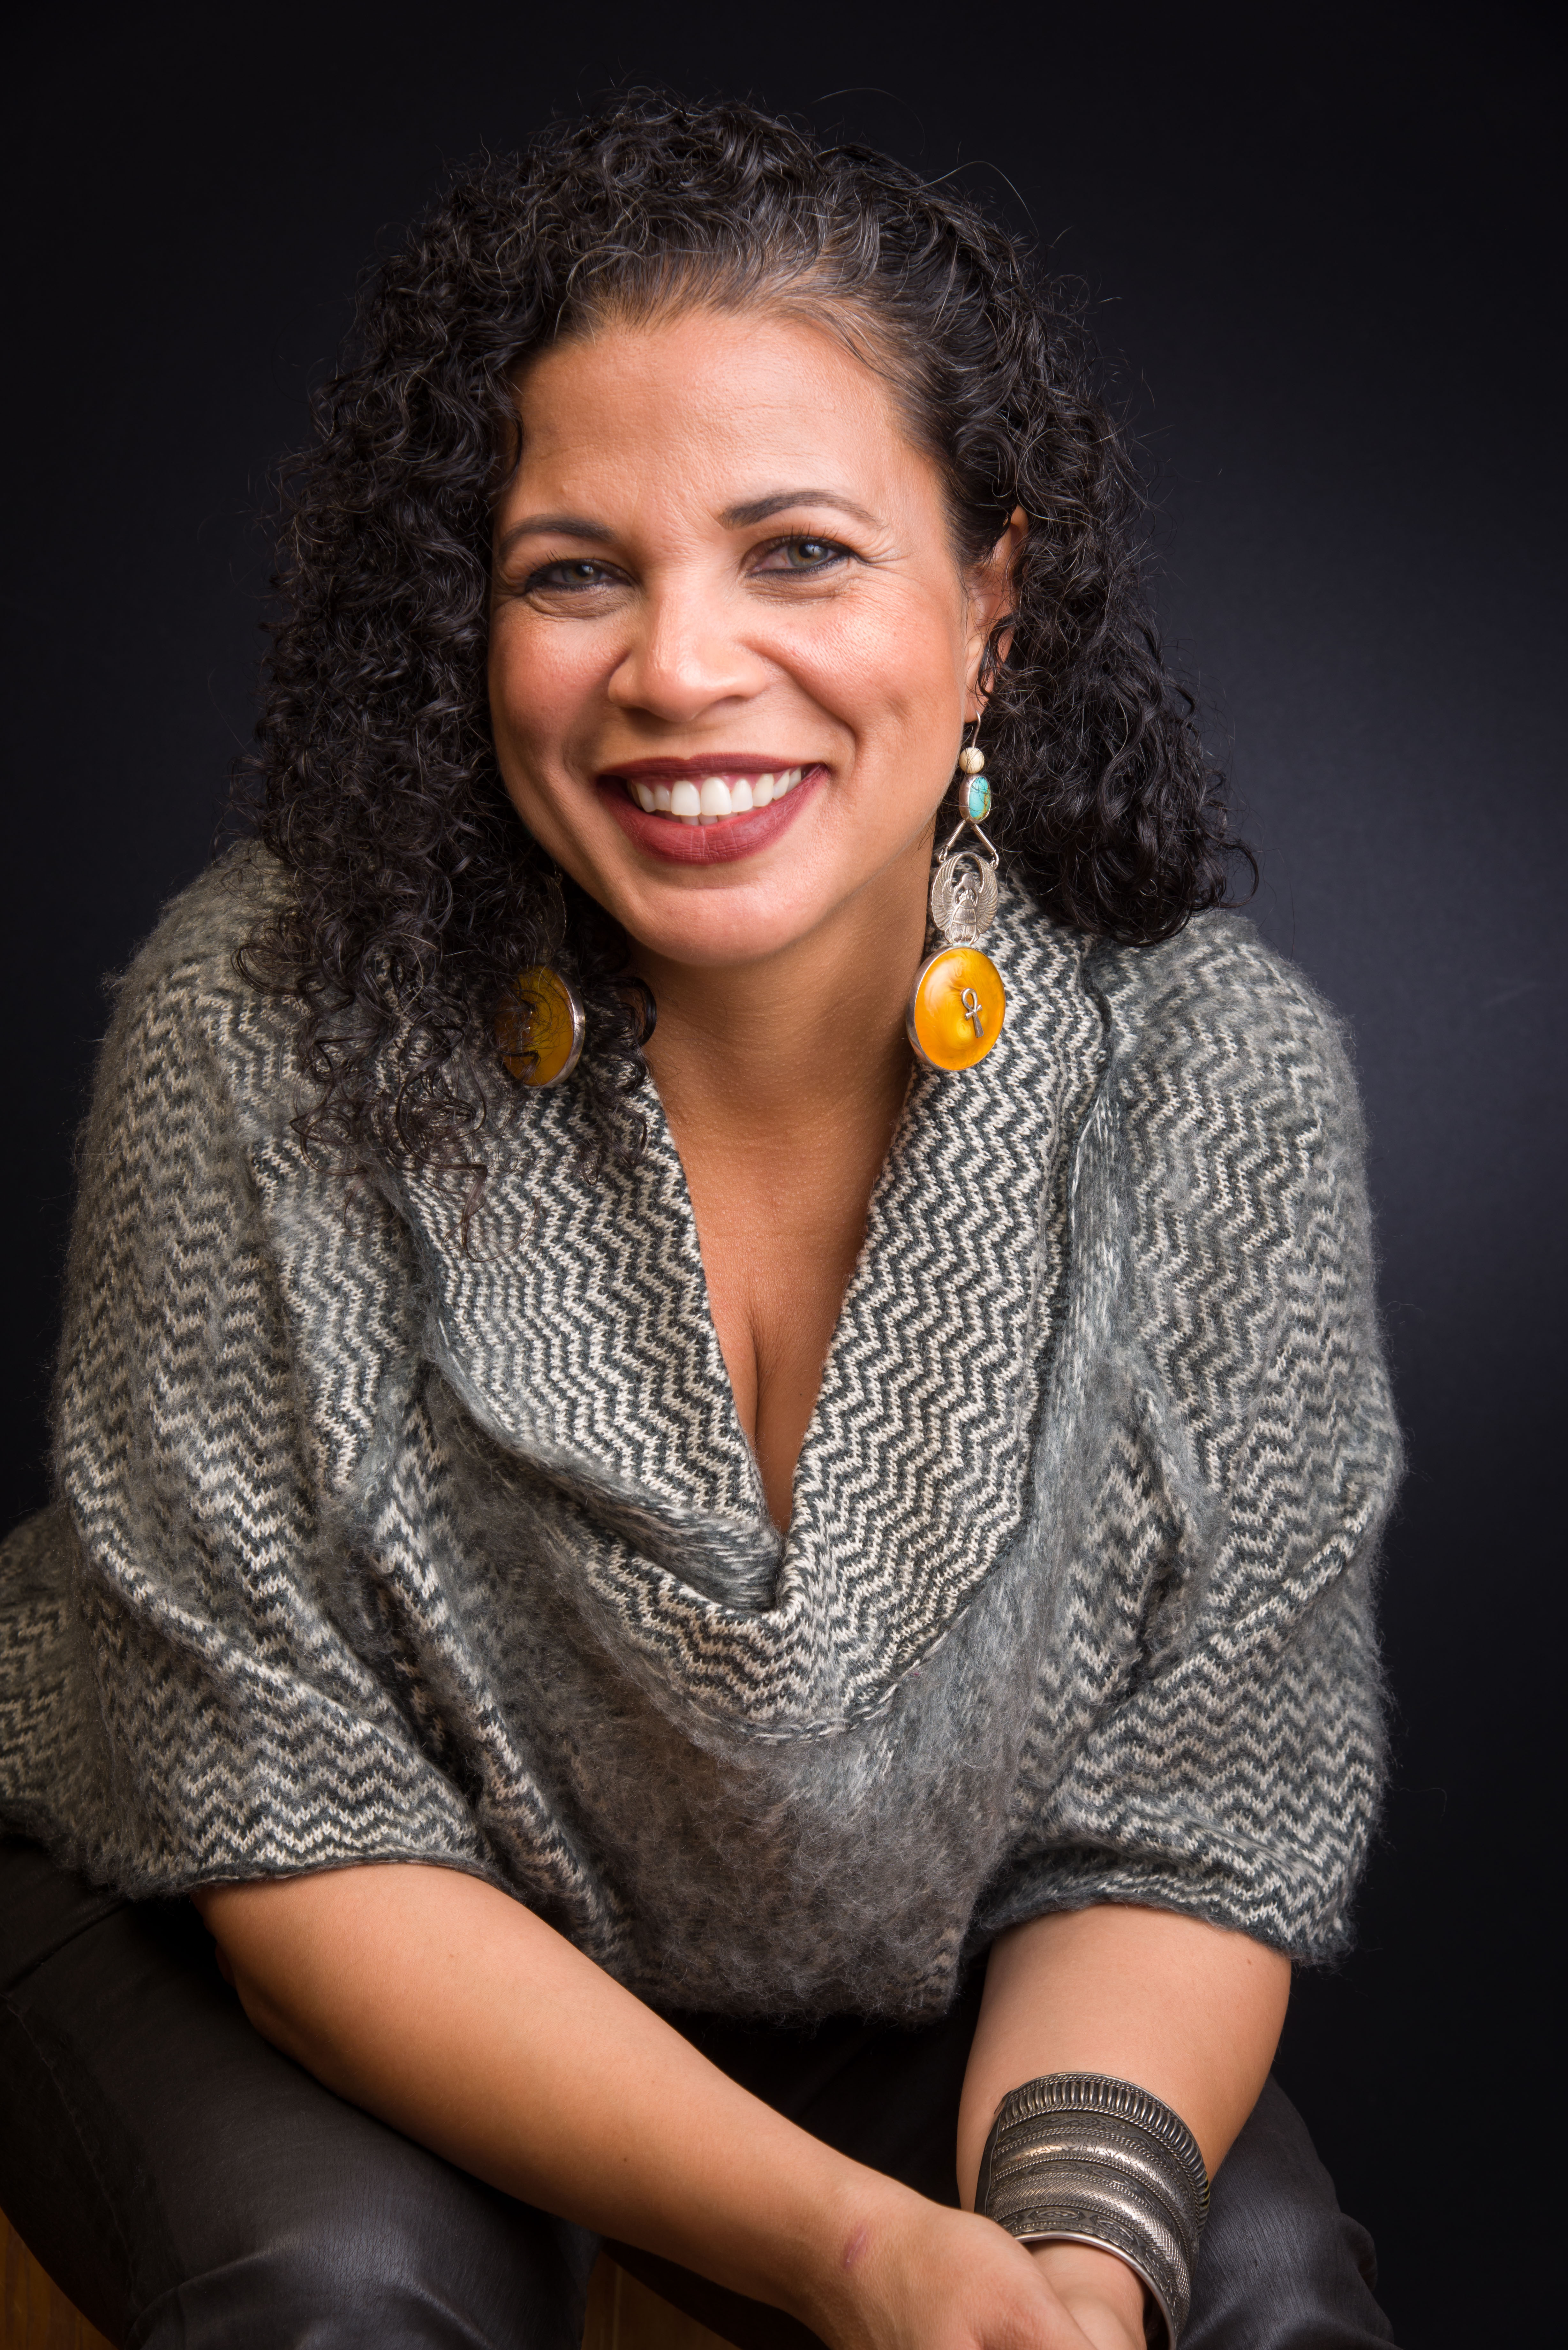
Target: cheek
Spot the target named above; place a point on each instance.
(540, 678)
(884, 663)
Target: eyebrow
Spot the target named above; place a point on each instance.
(555, 525)
(757, 510)
(740, 518)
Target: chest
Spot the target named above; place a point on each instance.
(780, 1222)
(868, 1326)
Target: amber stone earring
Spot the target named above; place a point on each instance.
(539, 1028)
(958, 1002)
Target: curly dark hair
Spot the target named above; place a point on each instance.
(418, 892)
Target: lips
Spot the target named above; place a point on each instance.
(708, 815)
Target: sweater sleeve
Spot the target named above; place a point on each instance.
(242, 1731)
(1207, 1729)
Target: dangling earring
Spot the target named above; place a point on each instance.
(539, 1028)
(958, 1002)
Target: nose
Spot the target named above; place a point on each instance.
(686, 655)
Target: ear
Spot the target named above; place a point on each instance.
(991, 591)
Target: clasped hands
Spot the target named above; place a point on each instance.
(943, 2280)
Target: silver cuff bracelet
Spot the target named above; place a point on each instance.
(1080, 2159)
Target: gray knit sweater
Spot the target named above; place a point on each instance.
(373, 1544)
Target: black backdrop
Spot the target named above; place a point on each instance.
(1318, 246)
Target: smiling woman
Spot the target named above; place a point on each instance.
(833, 670)
(828, 679)
(729, 1557)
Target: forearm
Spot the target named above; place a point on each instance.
(1183, 2009)
(1179, 2008)
(449, 2011)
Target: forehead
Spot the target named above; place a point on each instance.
(713, 405)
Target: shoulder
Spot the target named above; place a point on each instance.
(187, 978)
(192, 1038)
(1228, 1082)
(200, 932)
(1216, 1009)
(1234, 1148)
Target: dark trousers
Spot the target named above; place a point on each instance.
(193, 2190)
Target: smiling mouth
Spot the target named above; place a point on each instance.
(709, 799)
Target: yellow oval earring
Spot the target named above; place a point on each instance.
(958, 1002)
(540, 1027)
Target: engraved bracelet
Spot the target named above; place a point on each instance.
(1080, 2159)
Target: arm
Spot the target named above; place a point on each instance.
(204, 1435)
(1183, 2009)
(453, 2013)
(1231, 1760)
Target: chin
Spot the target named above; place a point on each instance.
(739, 937)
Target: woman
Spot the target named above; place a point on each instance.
(746, 1639)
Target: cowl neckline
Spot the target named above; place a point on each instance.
(575, 1328)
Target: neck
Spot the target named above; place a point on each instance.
(775, 1046)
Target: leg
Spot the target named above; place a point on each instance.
(193, 2190)
(1282, 2267)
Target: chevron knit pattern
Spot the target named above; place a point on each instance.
(376, 1542)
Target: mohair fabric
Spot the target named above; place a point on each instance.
(382, 1536)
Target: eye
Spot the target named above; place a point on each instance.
(572, 577)
(803, 555)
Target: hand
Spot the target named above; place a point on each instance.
(1102, 2294)
(919, 2276)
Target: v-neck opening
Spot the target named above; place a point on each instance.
(583, 1341)
(884, 1174)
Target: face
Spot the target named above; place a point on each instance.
(723, 574)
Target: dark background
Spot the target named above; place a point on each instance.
(1320, 248)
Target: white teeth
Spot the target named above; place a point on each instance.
(713, 799)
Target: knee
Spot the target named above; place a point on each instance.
(370, 2267)
(300, 2295)
(1282, 2266)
